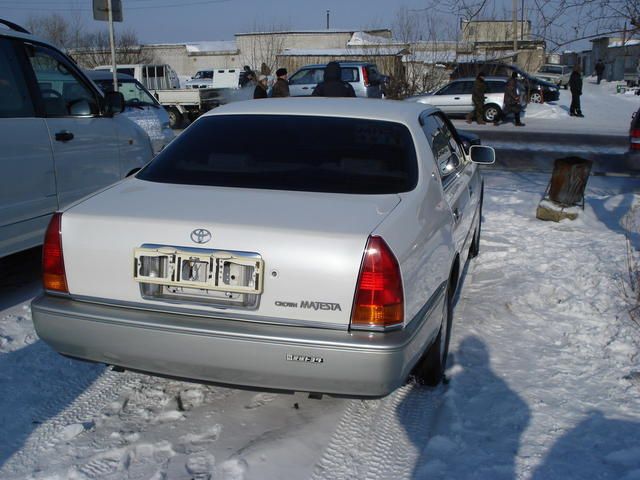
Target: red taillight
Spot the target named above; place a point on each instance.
(365, 76)
(53, 274)
(379, 301)
(635, 139)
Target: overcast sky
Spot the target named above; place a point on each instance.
(158, 21)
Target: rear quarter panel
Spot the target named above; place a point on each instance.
(419, 231)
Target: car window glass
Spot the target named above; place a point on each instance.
(126, 71)
(452, 89)
(466, 87)
(445, 148)
(132, 90)
(349, 74)
(62, 92)
(323, 154)
(14, 95)
(494, 86)
(307, 76)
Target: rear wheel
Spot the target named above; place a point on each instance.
(430, 368)
(175, 118)
(491, 113)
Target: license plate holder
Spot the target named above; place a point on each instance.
(215, 270)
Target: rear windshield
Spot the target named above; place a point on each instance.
(303, 153)
(551, 69)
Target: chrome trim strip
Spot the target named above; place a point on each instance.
(211, 315)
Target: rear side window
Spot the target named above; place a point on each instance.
(15, 100)
(302, 153)
(350, 74)
(495, 87)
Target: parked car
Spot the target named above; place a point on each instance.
(62, 139)
(152, 76)
(632, 155)
(140, 106)
(537, 90)
(363, 77)
(321, 256)
(454, 99)
(556, 74)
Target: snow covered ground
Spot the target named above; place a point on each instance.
(606, 112)
(544, 378)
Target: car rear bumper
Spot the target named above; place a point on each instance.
(238, 352)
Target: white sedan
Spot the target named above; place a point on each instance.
(304, 244)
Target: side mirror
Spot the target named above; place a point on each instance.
(482, 154)
(113, 103)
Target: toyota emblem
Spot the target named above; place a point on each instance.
(201, 235)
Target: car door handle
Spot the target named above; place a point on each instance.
(456, 215)
(64, 136)
(305, 88)
(456, 98)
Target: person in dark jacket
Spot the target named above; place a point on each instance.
(281, 87)
(575, 85)
(477, 97)
(333, 85)
(261, 87)
(599, 70)
(511, 101)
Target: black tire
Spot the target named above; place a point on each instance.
(491, 113)
(175, 118)
(430, 368)
(474, 250)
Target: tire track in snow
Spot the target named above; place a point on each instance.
(106, 389)
(381, 439)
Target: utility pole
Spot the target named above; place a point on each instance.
(522, 21)
(328, 12)
(112, 41)
(515, 25)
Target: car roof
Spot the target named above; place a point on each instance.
(492, 78)
(342, 64)
(9, 32)
(363, 108)
(106, 75)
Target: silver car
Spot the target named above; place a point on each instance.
(455, 97)
(363, 77)
(331, 269)
(556, 74)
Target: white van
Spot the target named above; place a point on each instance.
(62, 139)
(215, 78)
(154, 77)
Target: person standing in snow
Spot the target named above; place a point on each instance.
(599, 70)
(261, 87)
(511, 101)
(281, 87)
(575, 85)
(477, 97)
(333, 85)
